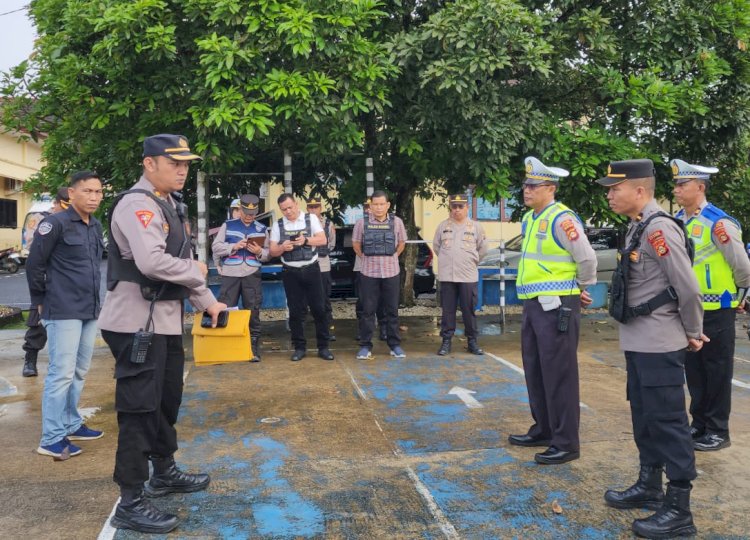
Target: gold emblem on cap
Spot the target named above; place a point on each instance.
(529, 167)
(609, 170)
(675, 169)
(183, 143)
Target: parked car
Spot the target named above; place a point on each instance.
(603, 240)
(342, 266)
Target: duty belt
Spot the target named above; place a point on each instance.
(666, 296)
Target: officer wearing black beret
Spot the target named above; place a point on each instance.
(656, 300)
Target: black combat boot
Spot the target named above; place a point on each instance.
(255, 345)
(445, 348)
(29, 365)
(167, 478)
(672, 519)
(474, 347)
(645, 493)
(136, 512)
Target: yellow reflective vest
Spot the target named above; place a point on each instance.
(714, 274)
(545, 268)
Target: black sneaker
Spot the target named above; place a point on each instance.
(710, 442)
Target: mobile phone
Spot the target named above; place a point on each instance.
(294, 236)
(220, 323)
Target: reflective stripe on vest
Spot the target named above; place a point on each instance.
(714, 275)
(545, 268)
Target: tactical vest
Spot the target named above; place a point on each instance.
(237, 231)
(299, 253)
(178, 245)
(545, 268)
(618, 295)
(379, 239)
(714, 274)
(323, 251)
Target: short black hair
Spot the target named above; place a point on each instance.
(283, 197)
(379, 193)
(80, 176)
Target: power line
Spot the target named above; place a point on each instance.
(24, 8)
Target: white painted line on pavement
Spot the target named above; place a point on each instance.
(88, 412)
(108, 531)
(359, 390)
(514, 367)
(740, 384)
(446, 526)
(464, 394)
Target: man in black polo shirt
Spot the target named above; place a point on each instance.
(64, 279)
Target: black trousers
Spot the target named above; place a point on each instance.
(380, 313)
(462, 294)
(325, 280)
(709, 373)
(251, 289)
(374, 291)
(550, 364)
(657, 406)
(147, 401)
(303, 288)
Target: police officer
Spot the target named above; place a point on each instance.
(243, 245)
(656, 300)
(63, 271)
(150, 272)
(557, 263)
(723, 272)
(315, 207)
(296, 237)
(459, 244)
(379, 238)
(35, 337)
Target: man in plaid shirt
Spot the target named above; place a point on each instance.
(379, 238)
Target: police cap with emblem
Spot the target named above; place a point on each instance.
(314, 200)
(459, 198)
(235, 203)
(539, 173)
(685, 172)
(630, 169)
(249, 204)
(172, 146)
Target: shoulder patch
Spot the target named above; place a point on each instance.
(144, 216)
(721, 233)
(659, 243)
(44, 227)
(570, 229)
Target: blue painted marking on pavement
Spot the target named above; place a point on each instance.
(419, 404)
(487, 495)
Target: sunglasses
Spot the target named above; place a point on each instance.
(532, 187)
(313, 206)
(457, 206)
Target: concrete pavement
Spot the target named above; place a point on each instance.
(365, 449)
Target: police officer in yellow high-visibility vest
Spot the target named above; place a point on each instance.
(723, 272)
(557, 263)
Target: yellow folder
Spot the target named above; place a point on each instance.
(222, 345)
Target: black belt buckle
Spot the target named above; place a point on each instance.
(672, 293)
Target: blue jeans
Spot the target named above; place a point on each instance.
(71, 345)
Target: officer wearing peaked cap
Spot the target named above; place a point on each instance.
(656, 300)
(243, 246)
(723, 273)
(459, 244)
(557, 264)
(150, 272)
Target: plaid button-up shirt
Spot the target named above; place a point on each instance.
(380, 266)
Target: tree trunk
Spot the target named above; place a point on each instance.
(404, 202)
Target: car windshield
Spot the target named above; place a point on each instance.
(515, 243)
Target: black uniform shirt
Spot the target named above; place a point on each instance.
(63, 268)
